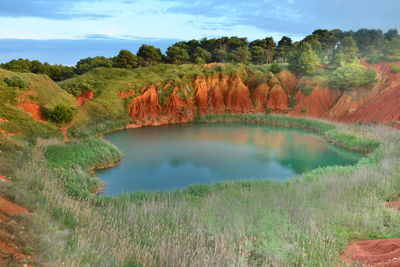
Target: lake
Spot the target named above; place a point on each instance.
(176, 156)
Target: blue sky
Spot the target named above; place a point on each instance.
(63, 31)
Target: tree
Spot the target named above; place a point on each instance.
(177, 55)
(258, 55)
(366, 38)
(346, 52)
(125, 60)
(391, 49)
(219, 55)
(284, 47)
(19, 65)
(240, 55)
(86, 64)
(303, 60)
(55, 72)
(149, 55)
(391, 34)
(200, 55)
(352, 76)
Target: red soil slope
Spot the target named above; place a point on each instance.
(288, 81)
(316, 104)
(30, 107)
(385, 107)
(127, 93)
(33, 109)
(260, 97)
(146, 109)
(278, 99)
(11, 235)
(382, 252)
(85, 96)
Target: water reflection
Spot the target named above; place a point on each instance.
(167, 157)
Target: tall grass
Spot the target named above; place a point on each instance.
(304, 222)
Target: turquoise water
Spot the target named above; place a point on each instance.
(175, 156)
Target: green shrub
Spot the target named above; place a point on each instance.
(77, 87)
(275, 68)
(353, 76)
(395, 68)
(59, 114)
(16, 81)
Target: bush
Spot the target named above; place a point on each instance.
(77, 87)
(275, 68)
(16, 81)
(351, 77)
(395, 69)
(59, 114)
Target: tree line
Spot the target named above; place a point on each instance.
(332, 47)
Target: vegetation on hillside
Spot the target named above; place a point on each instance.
(334, 47)
(353, 76)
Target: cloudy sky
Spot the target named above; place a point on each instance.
(63, 31)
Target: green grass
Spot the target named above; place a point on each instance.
(304, 222)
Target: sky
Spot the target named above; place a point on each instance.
(64, 31)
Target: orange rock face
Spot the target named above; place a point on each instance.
(146, 109)
(178, 109)
(85, 96)
(278, 99)
(260, 97)
(32, 109)
(237, 99)
(316, 104)
(288, 81)
(126, 94)
(218, 94)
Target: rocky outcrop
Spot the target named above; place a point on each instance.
(146, 109)
(217, 94)
(260, 97)
(237, 99)
(288, 81)
(178, 109)
(278, 99)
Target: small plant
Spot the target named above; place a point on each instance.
(304, 89)
(292, 102)
(16, 81)
(395, 68)
(303, 110)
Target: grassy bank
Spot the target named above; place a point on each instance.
(304, 222)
